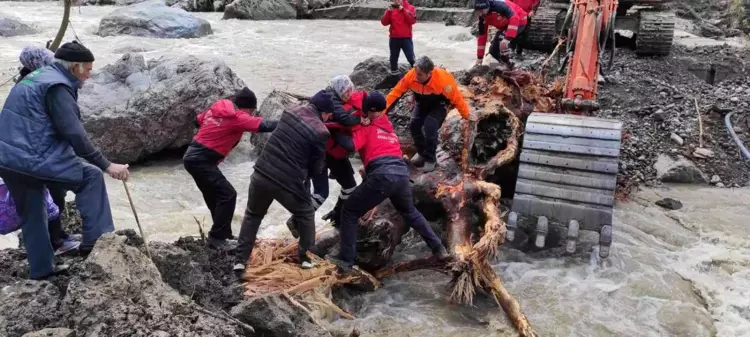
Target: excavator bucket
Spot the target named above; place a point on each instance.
(567, 174)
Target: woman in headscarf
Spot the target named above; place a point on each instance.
(33, 58)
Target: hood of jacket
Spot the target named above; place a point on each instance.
(223, 108)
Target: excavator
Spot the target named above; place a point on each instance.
(569, 161)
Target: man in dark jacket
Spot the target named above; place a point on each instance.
(294, 153)
(42, 140)
(387, 177)
(221, 128)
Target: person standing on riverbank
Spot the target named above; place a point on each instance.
(400, 17)
(387, 178)
(294, 153)
(220, 129)
(42, 139)
(433, 89)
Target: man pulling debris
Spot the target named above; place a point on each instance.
(530, 7)
(293, 154)
(220, 129)
(508, 18)
(433, 89)
(42, 140)
(387, 177)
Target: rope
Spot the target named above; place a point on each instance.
(70, 23)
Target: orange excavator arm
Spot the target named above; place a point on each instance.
(590, 18)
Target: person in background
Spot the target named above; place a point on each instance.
(400, 17)
(508, 18)
(433, 89)
(33, 58)
(42, 140)
(387, 178)
(345, 102)
(220, 129)
(530, 7)
(294, 153)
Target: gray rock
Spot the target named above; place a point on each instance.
(153, 19)
(734, 99)
(659, 115)
(677, 139)
(374, 73)
(703, 153)
(27, 306)
(720, 185)
(119, 292)
(54, 332)
(461, 37)
(132, 109)
(10, 26)
(274, 316)
(260, 10)
(271, 108)
(715, 179)
(669, 203)
(681, 170)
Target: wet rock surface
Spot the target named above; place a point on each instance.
(272, 108)
(132, 109)
(153, 19)
(275, 316)
(260, 10)
(669, 203)
(10, 26)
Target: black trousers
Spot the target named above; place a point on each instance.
(218, 193)
(261, 194)
(499, 36)
(57, 234)
(425, 127)
(396, 45)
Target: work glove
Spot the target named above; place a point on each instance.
(479, 62)
(505, 47)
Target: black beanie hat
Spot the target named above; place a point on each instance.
(245, 99)
(74, 52)
(481, 4)
(322, 101)
(374, 101)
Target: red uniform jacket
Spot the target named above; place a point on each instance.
(502, 15)
(221, 126)
(376, 140)
(354, 103)
(527, 5)
(400, 20)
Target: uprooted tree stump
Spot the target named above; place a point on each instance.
(461, 189)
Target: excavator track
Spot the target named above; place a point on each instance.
(655, 33)
(568, 174)
(543, 31)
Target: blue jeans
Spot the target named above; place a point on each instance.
(397, 44)
(373, 191)
(28, 194)
(424, 127)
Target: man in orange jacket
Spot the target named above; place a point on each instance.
(433, 89)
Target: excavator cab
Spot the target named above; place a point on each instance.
(569, 161)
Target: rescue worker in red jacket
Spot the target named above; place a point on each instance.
(433, 89)
(530, 7)
(400, 17)
(508, 18)
(387, 177)
(220, 129)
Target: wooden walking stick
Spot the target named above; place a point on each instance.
(138, 222)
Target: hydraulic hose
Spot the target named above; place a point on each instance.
(728, 124)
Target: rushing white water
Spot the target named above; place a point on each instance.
(677, 273)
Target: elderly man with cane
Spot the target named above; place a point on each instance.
(42, 146)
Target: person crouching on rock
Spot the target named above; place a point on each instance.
(294, 153)
(433, 89)
(400, 17)
(33, 58)
(387, 178)
(42, 140)
(220, 129)
(346, 102)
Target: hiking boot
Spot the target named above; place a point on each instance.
(442, 254)
(68, 246)
(309, 264)
(238, 267)
(221, 244)
(394, 72)
(417, 160)
(428, 167)
(292, 227)
(344, 268)
(59, 269)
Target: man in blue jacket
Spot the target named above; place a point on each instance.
(42, 140)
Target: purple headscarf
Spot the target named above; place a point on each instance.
(33, 57)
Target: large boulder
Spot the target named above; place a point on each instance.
(10, 26)
(119, 292)
(374, 74)
(681, 171)
(271, 108)
(274, 316)
(27, 306)
(153, 19)
(260, 10)
(53, 332)
(132, 109)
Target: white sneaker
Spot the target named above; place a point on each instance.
(309, 265)
(238, 267)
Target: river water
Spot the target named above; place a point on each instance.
(678, 273)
